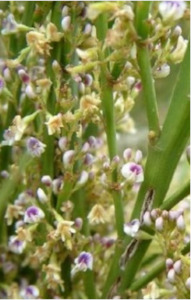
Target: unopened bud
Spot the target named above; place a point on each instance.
(162, 71)
(177, 266)
(55, 65)
(30, 92)
(138, 156)
(180, 223)
(147, 218)
(78, 223)
(46, 179)
(89, 159)
(169, 263)
(65, 10)
(88, 29)
(159, 224)
(57, 185)
(177, 31)
(106, 166)
(130, 81)
(88, 79)
(187, 283)
(83, 178)
(127, 153)
(81, 87)
(62, 143)
(7, 74)
(165, 214)
(42, 197)
(68, 157)
(116, 160)
(23, 76)
(66, 22)
(171, 275)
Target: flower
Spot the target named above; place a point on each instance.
(172, 10)
(35, 147)
(65, 230)
(53, 276)
(132, 172)
(41, 195)
(132, 227)
(16, 245)
(9, 25)
(33, 214)
(83, 262)
(54, 124)
(177, 55)
(97, 215)
(29, 292)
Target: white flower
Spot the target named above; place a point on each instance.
(15, 245)
(35, 147)
(177, 55)
(133, 172)
(162, 71)
(29, 292)
(132, 227)
(33, 214)
(172, 10)
(83, 262)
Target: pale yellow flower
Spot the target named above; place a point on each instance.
(54, 124)
(97, 215)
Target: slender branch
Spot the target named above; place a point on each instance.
(156, 270)
(177, 196)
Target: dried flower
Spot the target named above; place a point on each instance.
(54, 124)
(177, 55)
(33, 214)
(35, 147)
(64, 231)
(97, 215)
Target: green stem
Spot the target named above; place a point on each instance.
(156, 270)
(89, 284)
(148, 89)
(176, 197)
(109, 117)
(163, 158)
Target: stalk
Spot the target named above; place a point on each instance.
(156, 270)
(162, 159)
(109, 117)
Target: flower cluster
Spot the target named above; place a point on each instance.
(67, 91)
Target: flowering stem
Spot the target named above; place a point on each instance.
(159, 268)
(108, 111)
(161, 164)
(176, 197)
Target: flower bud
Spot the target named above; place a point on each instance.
(177, 266)
(23, 76)
(62, 143)
(171, 275)
(169, 263)
(55, 66)
(127, 153)
(162, 71)
(83, 178)
(78, 223)
(7, 74)
(68, 157)
(88, 29)
(130, 81)
(57, 185)
(138, 156)
(30, 92)
(46, 179)
(106, 166)
(116, 160)
(165, 214)
(132, 227)
(177, 54)
(66, 22)
(42, 197)
(180, 223)
(81, 87)
(159, 224)
(177, 31)
(89, 159)
(65, 10)
(147, 218)
(88, 79)
(187, 283)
